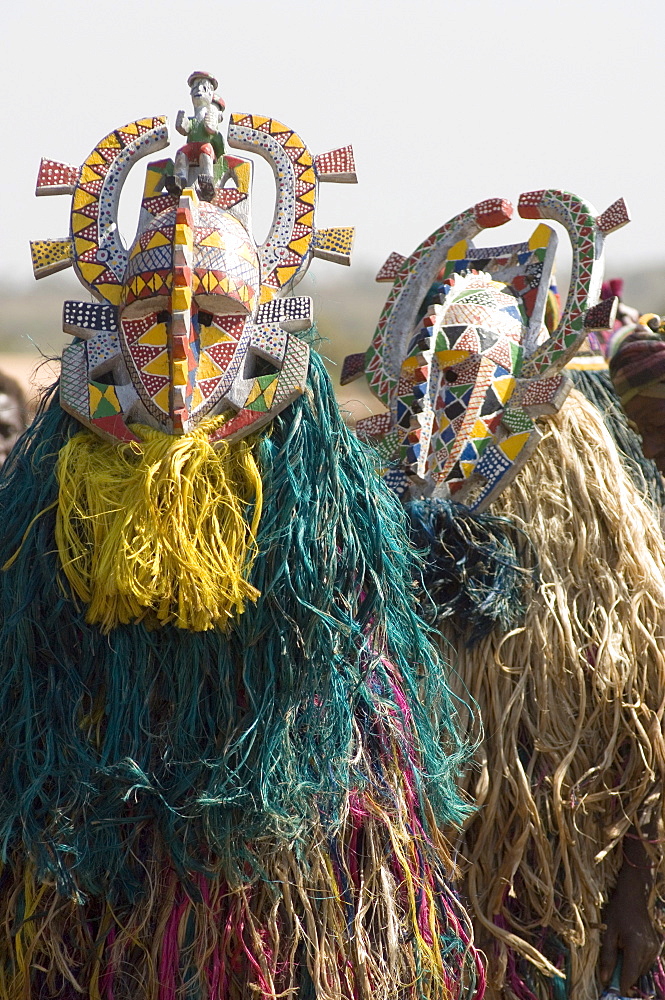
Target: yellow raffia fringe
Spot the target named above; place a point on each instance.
(164, 531)
(572, 705)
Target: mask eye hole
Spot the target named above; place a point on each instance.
(264, 367)
(107, 378)
(450, 375)
(205, 318)
(163, 316)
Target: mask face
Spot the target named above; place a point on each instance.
(191, 288)
(459, 375)
(189, 340)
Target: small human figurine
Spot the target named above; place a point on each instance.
(206, 145)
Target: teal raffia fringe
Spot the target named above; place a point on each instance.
(151, 780)
(473, 574)
(598, 389)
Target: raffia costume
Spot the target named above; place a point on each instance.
(554, 597)
(218, 778)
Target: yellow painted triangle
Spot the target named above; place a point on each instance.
(95, 396)
(540, 237)
(277, 127)
(158, 240)
(207, 367)
(308, 176)
(214, 240)
(144, 122)
(301, 246)
(81, 245)
(309, 197)
(158, 365)
(295, 142)
(267, 294)
(80, 222)
(90, 271)
(161, 399)
(155, 336)
(458, 251)
(307, 219)
(305, 158)
(136, 250)
(447, 358)
(82, 198)
(151, 179)
(270, 390)
(211, 335)
(504, 387)
(110, 142)
(480, 430)
(110, 396)
(254, 393)
(285, 274)
(258, 120)
(243, 176)
(95, 159)
(112, 293)
(88, 174)
(197, 397)
(131, 129)
(467, 468)
(513, 445)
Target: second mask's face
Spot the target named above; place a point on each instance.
(457, 378)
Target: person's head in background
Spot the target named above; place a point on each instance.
(637, 368)
(13, 414)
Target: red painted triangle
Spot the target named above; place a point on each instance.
(222, 354)
(116, 427)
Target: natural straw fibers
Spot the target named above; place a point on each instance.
(572, 709)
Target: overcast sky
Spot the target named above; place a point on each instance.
(446, 103)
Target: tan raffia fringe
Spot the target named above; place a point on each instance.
(572, 705)
(252, 939)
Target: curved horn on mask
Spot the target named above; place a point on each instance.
(94, 246)
(413, 277)
(293, 241)
(587, 231)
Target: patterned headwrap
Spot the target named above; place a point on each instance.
(637, 359)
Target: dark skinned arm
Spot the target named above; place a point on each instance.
(629, 929)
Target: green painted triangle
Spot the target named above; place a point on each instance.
(265, 380)
(459, 390)
(259, 405)
(481, 444)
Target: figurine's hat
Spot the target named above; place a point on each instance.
(202, 75)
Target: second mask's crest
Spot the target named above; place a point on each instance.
(462, 358)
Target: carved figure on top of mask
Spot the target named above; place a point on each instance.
(205, 145)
